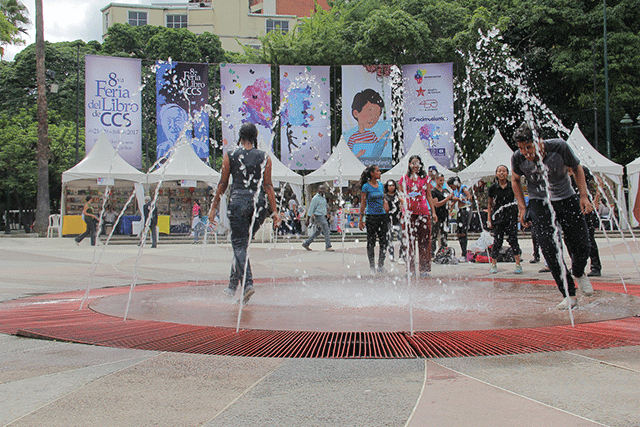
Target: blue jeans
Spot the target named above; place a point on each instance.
(322, 226)
(240, 212)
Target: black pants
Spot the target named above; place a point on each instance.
(91, 230)
(499, 230)
(464, 219)
(594, 254)
(377, 228)
(240, 212)
(574, 231)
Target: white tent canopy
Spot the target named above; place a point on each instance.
(497, 153)
(103, 162)
(417, 148)
(633, 175)
(279, 172)
(591, 158)
(596, 162)
(342, 164)
(184, 164)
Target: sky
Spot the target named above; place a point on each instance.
(68, 20)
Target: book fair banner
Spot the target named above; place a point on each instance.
(182, 92)
(245, 96)
(366, 112)
(113, 105)
(428, 109)
(304, 117)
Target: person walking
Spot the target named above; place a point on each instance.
(440, 201)
(376, 222)
(502, 218)
(415, 185)
(196, 212)
(251, 190)
(153, 223)
(318, 211)
(393, 206)
(91, 220)
(547, 161)
(462, 196)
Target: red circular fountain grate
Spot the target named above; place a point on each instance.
(59, 317)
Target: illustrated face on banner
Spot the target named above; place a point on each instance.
(367, 129)
(182, 89)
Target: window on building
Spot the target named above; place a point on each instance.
(106, 20)
(274, 25)
(137, 19)
(176, 21)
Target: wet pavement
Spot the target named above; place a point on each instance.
(61, 384)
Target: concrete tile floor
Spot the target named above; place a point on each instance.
(61, 384)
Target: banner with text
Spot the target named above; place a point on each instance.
(245, 96)
(304, 119)
(366, 112)
(113, 105)
(428, 109)
(182, 91)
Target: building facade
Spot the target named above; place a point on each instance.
(235, 22)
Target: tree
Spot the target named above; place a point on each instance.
(13, 19)
(42, 153)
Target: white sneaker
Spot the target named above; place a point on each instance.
(372, 271)
(401, 261)
(564, 304)
(585, 285)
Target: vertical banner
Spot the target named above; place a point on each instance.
(113, 105)
(245, 96)
(182, 91)
(304, 116)
(366, 112)
(428, 109)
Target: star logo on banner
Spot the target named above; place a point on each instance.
(420, 92)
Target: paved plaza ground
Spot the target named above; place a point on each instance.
(51, 383)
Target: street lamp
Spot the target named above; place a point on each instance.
(627, 122)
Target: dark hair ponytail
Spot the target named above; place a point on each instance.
(366, 175)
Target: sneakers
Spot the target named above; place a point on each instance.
(585, 285)
(544, 270)
(306, 247)
(382, 270)
(594, 273)
(462, 259)
(401, 261)
(518, 269)
(329, 249)
(247, 294)
(425, 275)
(372, 271)
(534, 260)
(568, 301)
(229, 292)
(493, 269)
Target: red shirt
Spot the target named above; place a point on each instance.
(416, 191)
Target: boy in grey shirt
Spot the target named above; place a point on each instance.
(556, 157)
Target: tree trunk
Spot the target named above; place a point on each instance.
(42, 204)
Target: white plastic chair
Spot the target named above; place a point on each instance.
(55, 224)
(267, 227)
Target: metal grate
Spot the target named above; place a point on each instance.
(58, 317)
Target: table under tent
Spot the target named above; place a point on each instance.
(102, 169)
(183, 178)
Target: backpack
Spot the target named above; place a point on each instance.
(505, 255)
(445, 255)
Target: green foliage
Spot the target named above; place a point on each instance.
(18, 143)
